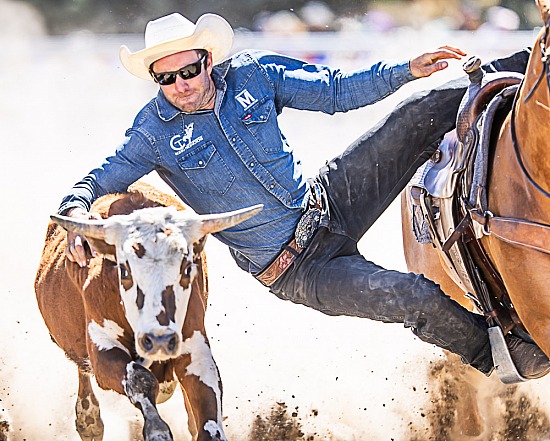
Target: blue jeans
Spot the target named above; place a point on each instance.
(334, 278)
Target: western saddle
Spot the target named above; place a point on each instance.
(450, 205)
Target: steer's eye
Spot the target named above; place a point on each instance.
(125, 276)
(186, 272)
(124, 273)
(189, 270)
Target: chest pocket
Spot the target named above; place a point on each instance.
(261, 121)
(206, 169)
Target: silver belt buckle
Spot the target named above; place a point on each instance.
(309, 222)
(307, 226)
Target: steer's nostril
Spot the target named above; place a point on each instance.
(146, 343)
(172, 343)
(164, 343)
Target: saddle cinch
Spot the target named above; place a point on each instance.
(449, 196)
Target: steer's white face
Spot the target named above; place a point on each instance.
(155, 258)
(155, 253)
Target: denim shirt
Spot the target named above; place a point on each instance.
(235, 155)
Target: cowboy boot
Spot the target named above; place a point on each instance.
(529, 359)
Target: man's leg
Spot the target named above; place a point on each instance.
(363, 181)
(332, 277)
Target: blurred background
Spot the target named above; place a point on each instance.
(347, 32)
(128, 16)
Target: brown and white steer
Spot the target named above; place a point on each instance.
(134, 316)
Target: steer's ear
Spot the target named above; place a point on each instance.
(198, 246)
(213, 223)
(102, 247)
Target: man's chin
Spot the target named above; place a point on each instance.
(187, 107)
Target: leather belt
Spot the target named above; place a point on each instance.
(270, 274)
(305, 230)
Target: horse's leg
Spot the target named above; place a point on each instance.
(89, 424)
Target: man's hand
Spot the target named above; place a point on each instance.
(75, 251)
(426, 64)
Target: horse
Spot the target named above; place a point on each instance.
(505, 223)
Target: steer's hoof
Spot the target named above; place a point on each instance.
(157, 431)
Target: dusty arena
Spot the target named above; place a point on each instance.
(289, 373)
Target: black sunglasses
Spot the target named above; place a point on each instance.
(186, 72)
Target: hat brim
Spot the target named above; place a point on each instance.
(212, 33)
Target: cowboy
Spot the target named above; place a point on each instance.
(212, 134)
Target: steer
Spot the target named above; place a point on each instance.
(134, 316)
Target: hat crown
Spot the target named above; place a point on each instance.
(174, 33)
(168, 28)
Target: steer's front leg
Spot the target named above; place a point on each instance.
(198, 374)
(141, 387)
(115, 370)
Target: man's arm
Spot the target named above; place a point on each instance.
(133, 159)
(305, 86)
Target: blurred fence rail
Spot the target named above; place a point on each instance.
(349, 48)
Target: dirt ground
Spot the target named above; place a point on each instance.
(289, 373)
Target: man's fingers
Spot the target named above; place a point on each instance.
(440, 65)
(75, 251)
(442, 54)
(94, 215)
(454, 50)
(426, 64)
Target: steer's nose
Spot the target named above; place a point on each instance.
(152, 344)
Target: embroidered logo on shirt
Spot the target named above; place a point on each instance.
(179, 143)
(245, 99)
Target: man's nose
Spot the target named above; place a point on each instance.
(181, 84)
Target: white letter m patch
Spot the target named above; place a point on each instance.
(245, 99)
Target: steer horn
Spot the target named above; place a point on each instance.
(86, 227)
(212, 223)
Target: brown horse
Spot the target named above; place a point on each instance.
(518, 198)
(515, 228)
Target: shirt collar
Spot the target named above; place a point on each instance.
(166, 111)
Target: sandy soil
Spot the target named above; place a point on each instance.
(65, 105)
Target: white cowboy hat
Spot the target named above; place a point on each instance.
(174, 33)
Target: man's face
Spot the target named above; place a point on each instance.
(190, 95)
